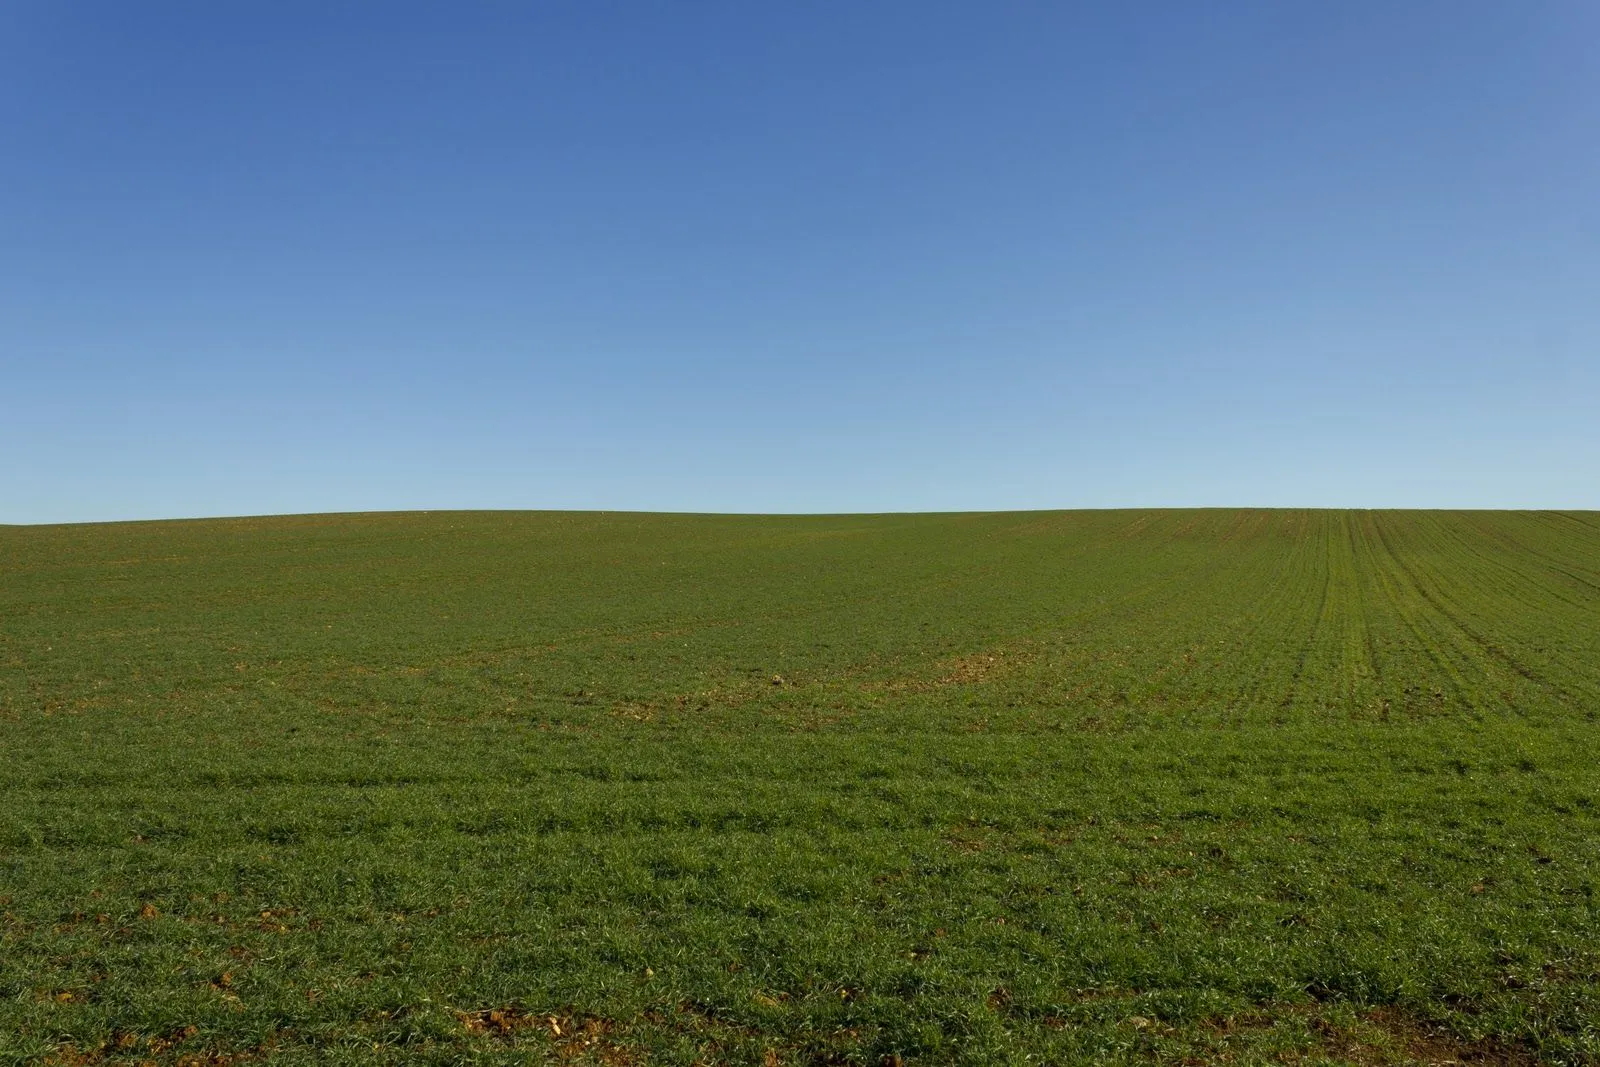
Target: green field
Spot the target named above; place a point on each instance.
(1162, 786)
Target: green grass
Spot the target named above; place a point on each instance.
(1177, 786)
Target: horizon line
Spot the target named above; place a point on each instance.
(381, 512)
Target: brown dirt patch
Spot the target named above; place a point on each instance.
(1378, 1037)
(584, 1038)
(974, 668)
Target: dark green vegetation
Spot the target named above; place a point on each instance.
(1137, 786)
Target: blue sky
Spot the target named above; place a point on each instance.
(262, 258)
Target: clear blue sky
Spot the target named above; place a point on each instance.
(272, 257)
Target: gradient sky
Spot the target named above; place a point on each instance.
(275, 257)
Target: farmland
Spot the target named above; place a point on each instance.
(1158, 786)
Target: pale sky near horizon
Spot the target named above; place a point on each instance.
(290, 257)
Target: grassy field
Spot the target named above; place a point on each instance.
(1165, 786)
